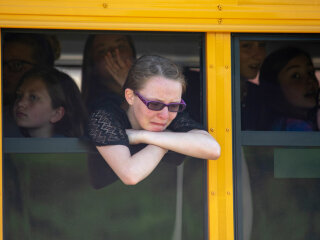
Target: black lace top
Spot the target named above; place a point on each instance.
(107, 125)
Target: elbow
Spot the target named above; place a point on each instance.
(129, 178)
(130, 181)
(215, 152)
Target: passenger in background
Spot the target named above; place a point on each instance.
(252, 54)
(48, 104)
(289, 91)
(22, 52)
(107, 59)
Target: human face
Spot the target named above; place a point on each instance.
(104, 44)
(298, 82)
(33, 106)
(252, 54)
(18, 59)
(160, 89)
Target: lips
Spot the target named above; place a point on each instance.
(20, 115)
(255, 67)
(159, 124)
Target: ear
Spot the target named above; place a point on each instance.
(58, 114)
(129, 95)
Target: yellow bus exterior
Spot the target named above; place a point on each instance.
(218, 19)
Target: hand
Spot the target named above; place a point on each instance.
(117, 67)
(135, 136)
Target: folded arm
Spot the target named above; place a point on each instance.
(195, 143)
(132, 169)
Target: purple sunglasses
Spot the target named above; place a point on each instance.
(158, 106)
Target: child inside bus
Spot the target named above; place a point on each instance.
(48, 104)
(22, 52)
(149, 116)
(106, 62)
(252, 54)
(289, 91)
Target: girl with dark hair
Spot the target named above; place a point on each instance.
(289, 91)
(48, 104)
(151, 115)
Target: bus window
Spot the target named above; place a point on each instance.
(52, 190)
(276, 136)
(279, 85)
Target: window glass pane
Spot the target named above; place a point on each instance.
(280, 193)
(279, 82)
(51, 196)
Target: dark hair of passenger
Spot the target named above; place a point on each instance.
(43, 52)
(63, 92)
(273, 101)
(90, 82)
(149, 66)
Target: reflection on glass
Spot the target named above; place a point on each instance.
(285, 198)
(50, 196)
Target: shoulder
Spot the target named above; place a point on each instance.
(110, 111)
(107, 126)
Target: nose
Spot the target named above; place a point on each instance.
(312, 80)
(258, 51)
(164, 113)
(21, 101)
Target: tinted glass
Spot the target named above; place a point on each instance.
(280, 193)
(279, 85)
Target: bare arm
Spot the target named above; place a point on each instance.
(132, 169)
(195, 143)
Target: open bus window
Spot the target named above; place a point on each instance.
(279, 83)
(49, 189)
(84, 58)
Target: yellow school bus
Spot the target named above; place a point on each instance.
(265, 185)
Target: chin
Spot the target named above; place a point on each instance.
(156, 128)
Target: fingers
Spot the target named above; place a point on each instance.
(114, 60)
(117, 66)
(111, 64)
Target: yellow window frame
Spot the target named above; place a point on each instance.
(218, 19)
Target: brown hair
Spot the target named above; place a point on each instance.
(149, 66)
(64, 92)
